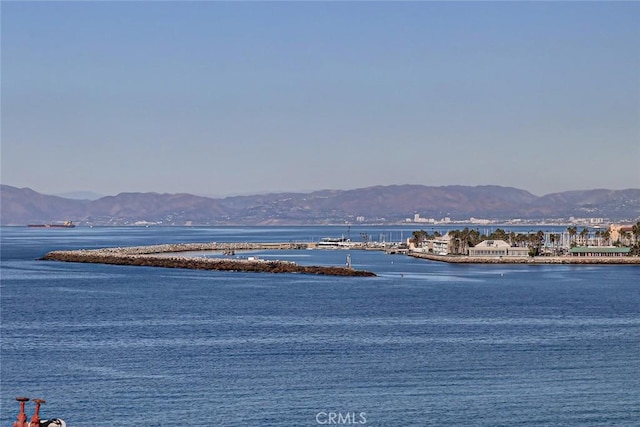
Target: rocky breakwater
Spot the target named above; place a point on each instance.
(157, 256)
(464, 259)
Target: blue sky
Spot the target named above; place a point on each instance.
(221, 98)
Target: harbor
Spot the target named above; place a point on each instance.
(221, 256)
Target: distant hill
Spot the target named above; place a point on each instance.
(80, 195)
(20, 206)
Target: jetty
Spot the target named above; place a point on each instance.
(168, 256)
(466, 259)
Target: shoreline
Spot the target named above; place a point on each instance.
(465, 259)
(164, 255)
(156, 256)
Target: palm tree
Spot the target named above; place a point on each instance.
(455, 241)
(536, 240)
(583, 237)
(475, 237)
(521, 239)
(554, 238)
(419, 237)
(635, 230)
(572, 234)
(624, 237)
(465, 239)
(499, 234)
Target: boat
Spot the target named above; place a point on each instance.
(66, 224)
(331, 242)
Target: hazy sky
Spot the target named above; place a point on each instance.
(220, 98)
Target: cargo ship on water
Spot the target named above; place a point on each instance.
(66, 224)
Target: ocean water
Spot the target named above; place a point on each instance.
(422, 344)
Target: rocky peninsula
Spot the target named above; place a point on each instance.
(163, 256)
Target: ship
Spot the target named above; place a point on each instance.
(66, 224)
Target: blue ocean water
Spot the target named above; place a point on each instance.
(422, 344)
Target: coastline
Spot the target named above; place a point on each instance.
(164, 255)
(465, 259)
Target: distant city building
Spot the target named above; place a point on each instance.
(416, 218)
(473, 220)
(586, 221)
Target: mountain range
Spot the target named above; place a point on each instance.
(378, 204)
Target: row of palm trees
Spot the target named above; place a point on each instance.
(603, 237)
(462, 240)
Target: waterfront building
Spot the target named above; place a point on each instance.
(441, 246)
(620, 232)
(599, 251)
(497, 248)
